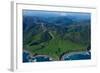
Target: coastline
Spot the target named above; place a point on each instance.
(73, 53)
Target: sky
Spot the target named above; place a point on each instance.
(54, 13)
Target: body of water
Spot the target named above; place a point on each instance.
(68, 56)
(26, 56)
(77, 56)
(39, 58)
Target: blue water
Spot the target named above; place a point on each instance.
(28, 58)
(41, 59)
(79, 56)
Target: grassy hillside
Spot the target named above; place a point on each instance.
(53, 47)
(54, 35)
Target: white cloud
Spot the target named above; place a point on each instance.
(63, 14)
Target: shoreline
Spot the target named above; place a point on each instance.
(72, 53)
(32, 56)
(61, 58)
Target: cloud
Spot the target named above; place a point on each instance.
(63, 14)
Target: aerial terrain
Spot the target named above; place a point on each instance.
(56, 36)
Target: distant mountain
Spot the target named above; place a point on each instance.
(71, 26)
(55, 33)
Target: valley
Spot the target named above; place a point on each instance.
(55, 35)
